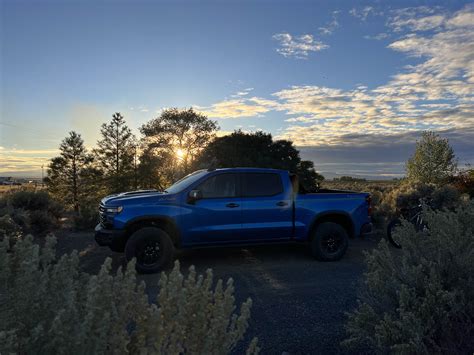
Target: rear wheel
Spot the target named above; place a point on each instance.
(391, 236)
(152, 247)
(329, 242)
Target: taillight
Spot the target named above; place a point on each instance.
(369, 204)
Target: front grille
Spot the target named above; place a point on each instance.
(103, 216)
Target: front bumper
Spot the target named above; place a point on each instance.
(113, 238)
(367, 229)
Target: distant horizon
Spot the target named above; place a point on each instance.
(327, 176)
(390, 169)
(353, 86)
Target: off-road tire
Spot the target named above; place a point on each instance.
(152, 247)
(329, 242)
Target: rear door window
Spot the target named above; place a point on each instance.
(261, 184)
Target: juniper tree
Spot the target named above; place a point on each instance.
(68, 173)
(116, 153)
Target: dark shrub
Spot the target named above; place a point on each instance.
(21, 217)
(8, 227)
(33, 212)
(87, 217)
(41, 222)
(30, 200)
(464, 182)
(419, 300)
(408, 195)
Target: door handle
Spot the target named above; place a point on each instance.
(232, 205)
(282, 203)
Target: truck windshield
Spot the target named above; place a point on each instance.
(180, 185)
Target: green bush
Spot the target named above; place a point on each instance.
(50, 306)
(87, 217)
(42, 222)
(419, 299)
(21, 217)
(34, 212)
(9, 229)
(30, 200)
(464, 182)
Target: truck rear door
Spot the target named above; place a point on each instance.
(267, 207)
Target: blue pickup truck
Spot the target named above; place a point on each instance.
(235, 206)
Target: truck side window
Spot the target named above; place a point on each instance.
(261, 184)
(219, 186)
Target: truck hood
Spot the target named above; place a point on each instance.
(139, 196)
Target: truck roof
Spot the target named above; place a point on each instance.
(250, 170)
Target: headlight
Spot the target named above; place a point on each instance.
(115, 210)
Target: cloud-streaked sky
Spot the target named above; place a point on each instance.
(351, 83)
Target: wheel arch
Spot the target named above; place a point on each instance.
(164, 222)
(340, 217)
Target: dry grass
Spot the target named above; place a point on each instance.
(366, 186)
(24, 187)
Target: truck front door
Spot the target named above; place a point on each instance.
(217, 216)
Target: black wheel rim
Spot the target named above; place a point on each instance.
(149, 253)
(331, 243)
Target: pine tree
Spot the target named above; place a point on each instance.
(68, 171)
(116, 153)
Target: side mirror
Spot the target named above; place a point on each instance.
(194, 195)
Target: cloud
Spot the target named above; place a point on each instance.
(330, 26)
(244, 92)
(364, 13)
(436, 93)
(421, 18)
(298, 46)
(378, 37)
(24, 162)
(238, 106)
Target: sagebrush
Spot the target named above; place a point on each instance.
(419, 300)
(50, 306)
(30, 212)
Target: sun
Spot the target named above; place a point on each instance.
(180, 153)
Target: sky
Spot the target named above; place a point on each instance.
(352, 83)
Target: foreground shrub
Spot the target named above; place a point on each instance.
(50, 306)
(419, 299)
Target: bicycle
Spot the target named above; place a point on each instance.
(414, 215)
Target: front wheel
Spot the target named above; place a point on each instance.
(329, 242)
(151, 247)
(391, 236)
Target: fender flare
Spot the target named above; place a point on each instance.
(169, 224)
(340, 217)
